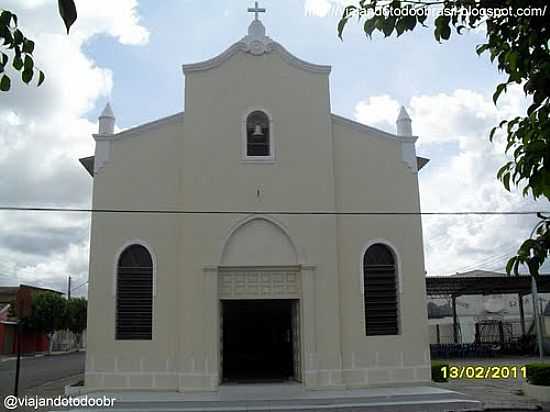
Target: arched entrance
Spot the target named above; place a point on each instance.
(259, 289)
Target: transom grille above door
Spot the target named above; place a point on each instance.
(259, 283)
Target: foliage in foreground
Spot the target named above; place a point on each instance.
(520, 47)
(17, 48)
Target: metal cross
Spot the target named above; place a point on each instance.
(257, 10)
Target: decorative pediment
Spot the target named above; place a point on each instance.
(256, 43)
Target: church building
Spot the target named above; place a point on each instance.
(255, 237)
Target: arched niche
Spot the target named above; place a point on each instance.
(259, 242)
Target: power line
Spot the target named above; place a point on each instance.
(280, 212)
(79, 286)
(489, 260)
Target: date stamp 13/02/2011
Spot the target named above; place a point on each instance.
(483, 372)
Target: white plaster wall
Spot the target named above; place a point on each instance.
(370, 176)
(196, 165)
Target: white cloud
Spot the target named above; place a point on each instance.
(454, 130)
(323, 8)
(379, 111)
(118, 18)
(43, 132)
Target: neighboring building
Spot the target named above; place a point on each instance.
(31, 342)
(188, 301)
(480, 310)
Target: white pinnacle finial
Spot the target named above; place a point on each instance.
(108, 111)
(404, 123)
(107, 121)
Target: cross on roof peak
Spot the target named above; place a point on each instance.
(256, 10)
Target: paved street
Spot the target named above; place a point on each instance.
(40, 370)
(48, 375)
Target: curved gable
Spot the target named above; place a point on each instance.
(256, 43)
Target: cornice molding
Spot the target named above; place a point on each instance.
(407, 143)
(139, 129)
(373, 131)
(256, 49)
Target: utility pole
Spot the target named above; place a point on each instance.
(69, 289)
(535, 296)
(19, 336)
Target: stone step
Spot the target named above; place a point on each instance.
(448, 405)
(288, 399)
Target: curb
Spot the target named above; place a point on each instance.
(40, 355)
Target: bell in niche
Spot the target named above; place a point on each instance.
(258, 130)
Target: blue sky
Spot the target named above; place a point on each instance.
(188, 31)
(130, 52)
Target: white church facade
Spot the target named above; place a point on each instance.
(242, 253)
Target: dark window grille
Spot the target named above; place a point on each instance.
(380, 282)
(134, 303)
(257, 144)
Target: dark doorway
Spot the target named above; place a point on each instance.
(257, 340)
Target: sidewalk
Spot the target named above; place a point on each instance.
(501, 394)
(49, 390)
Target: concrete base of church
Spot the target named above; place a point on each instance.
(293, 397)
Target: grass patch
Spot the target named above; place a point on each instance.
(538, 374)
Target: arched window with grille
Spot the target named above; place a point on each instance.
(258, 135)
(134, 294)
(380, 291)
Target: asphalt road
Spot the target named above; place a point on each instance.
(40, 370)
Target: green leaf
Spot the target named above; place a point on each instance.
(482, 48)
(5, 83)
(18, 36)
(500, 88)
(27, 76)
(17, 63)
(533, 267)
(492, 134)
(29, 63)
(506, 181)
(422, 17)
(6, 35)
(400, 26)
(510, 265)
(369, 27)
(41, 78)
(516, 267)
(341, 26)
(67, 11)
(28, 46)
(5, 18)
(512, 59)
(389, 25)
(437, 34)
(410, 23)
(503, 170)
(445, 32)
